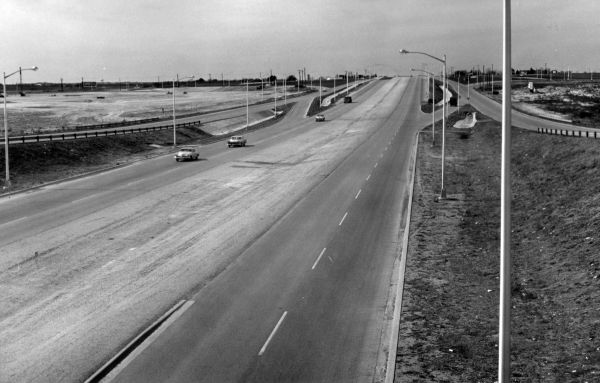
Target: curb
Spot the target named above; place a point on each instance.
(390, 370)
(138, 341)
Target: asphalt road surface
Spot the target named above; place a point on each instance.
(305, 302)
(493, 109)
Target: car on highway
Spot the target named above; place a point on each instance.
(236, 141)
(319, 118)
(186, 153)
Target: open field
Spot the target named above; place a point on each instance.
(578, 102)
(52, 111)
(449, 322)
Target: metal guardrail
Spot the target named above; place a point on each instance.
(90, 134)
(569, 133)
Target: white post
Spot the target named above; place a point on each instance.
(174, 126)
(505, 197)
(7, 180)
(443, 191)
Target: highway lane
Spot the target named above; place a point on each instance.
(26, 214)
(109, 253)
(522, 120)
(306, 301)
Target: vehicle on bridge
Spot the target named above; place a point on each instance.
(319, 118)
(347, 100)
(236, 141)
(187, 153)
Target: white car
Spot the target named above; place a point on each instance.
(319, 118)
(186, 153)
(236, 141)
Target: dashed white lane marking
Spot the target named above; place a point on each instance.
(264, 347)
(369, 176)
(375, 164)
(386, 148)
(357, 194)
(318, 258)
(13, 221)
(343, 218)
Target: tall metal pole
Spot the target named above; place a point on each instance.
(7, 180)
(505, 197)
(174, 126)
(443, 191)
(247, 117)
(320, 92)
(284, 92)
(275, 98)
(433, 110)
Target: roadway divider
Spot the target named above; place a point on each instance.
(569, 133)
(92, 134)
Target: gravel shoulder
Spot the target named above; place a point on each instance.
(449, 320)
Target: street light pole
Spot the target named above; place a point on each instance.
(443, 61)
(5, 95)
(174, 123)
(505, 197)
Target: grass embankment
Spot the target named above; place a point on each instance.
(449, 321)
(437, 97)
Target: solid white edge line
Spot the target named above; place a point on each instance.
(318, 258)
(357, 194)
(390, 370)
(343, 218)
(175, 312)
(264, 347)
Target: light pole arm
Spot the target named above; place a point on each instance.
(426, 54)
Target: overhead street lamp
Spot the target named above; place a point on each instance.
(174, 124)
(432, 100)
(5, 95)
(443, 61)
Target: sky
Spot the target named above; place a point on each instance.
(151, 40)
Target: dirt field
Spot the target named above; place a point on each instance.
(449, 322)
(38, 112)
(577, 102)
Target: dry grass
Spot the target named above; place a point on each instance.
(449, 323)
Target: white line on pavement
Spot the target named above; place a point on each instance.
(357, 194)
(343, 218)
(369, 176)
(264, 347)
(375, 165)
(319, 258)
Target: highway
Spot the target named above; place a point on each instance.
(493, 109)
(89, 263)
(306, 302)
